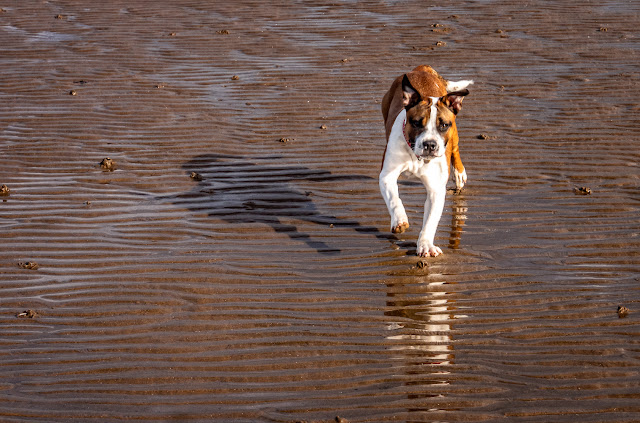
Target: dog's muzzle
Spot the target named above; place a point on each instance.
(429, 148)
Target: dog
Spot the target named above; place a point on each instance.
(419, 113)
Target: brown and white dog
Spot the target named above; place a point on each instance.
(419, 113)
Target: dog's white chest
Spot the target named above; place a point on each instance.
(435, 170)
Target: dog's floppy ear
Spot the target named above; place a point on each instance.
(453, 100)
(453, 86)
(410, 96)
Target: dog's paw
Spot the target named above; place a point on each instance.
(460, 178)
(400, 227)
(425, 251)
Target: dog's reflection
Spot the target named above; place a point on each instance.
(419, 320)
(458, 219)
(423, 326)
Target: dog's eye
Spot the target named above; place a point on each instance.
(444, 126)
(417, 123)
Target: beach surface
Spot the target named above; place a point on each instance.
(232, 262)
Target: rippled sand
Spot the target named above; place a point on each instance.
(268, 288)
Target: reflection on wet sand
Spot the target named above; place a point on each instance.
(458, 219)
(420, 313)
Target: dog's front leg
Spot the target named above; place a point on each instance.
(460, 178)
(389, 190)
(433, 207)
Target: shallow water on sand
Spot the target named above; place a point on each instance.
(269, 288)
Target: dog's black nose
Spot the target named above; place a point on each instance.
(430, 146)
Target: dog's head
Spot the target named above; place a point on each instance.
(431, 121)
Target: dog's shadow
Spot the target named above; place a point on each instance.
(241, 190)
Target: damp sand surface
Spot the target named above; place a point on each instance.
(232, 260)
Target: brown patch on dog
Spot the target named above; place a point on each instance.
(448, 106)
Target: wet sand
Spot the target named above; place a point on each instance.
(267, 288)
